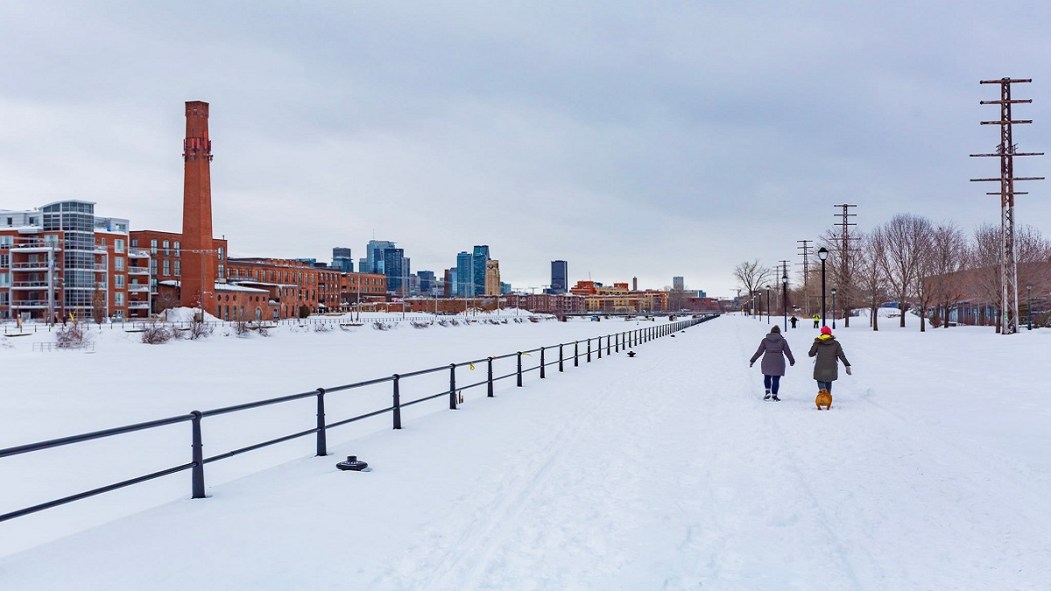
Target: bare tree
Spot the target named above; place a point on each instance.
(842, 261)
(942, 281)
(752, 276)
(984, 262)
(870, 274)
(905, 238)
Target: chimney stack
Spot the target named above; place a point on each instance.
(199, 259)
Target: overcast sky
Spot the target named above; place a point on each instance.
(646, 139)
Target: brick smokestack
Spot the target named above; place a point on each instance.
(199, 259)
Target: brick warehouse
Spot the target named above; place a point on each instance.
(194, 269)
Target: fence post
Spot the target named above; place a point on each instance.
(397, 402)
(560, 357)
(519, 369)
(490, 395)
(589, 350)
(576, 353)
(608, 337)
(616, 342)
(322, 444)
(452, 386)
(198, 457)
(600, 347)
(543, 373)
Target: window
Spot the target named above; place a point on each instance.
(118, 245)
(5, 261)
(5, 279)
(118, 281)
(178, 246)
(134, 242)
(118, 263)
(166, 268)
(220, 275)
(178, 268)
(153, 247)
(118, 298)
(165, 246)
(220, 253)
(153, 266)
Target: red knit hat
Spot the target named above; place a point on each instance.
(826, 330)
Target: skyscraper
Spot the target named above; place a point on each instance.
(678, 284)
(479, 258)
(342, 260)
(396, 268)
(375, 257)
(464, 275)
(559, 277)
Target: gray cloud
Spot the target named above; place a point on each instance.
(631, 140)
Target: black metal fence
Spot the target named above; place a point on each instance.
(549, 356)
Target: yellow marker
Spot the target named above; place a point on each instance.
(470, 366)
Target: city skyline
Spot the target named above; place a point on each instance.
(599, 134)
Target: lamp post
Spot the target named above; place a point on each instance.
(768, 304)
(822, 253)
(1029, 306)
(784, 300)
(833, 307)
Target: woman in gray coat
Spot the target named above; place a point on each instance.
(827, 350)
(774, 348)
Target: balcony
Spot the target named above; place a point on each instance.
(34, 247)
(138, 305)
(31, 266)
(30, 284)
(138, 270)
(31, 304)
(136, 288)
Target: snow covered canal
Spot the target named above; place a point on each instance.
(662, 471)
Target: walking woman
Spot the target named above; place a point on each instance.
(827, 350)
(774, 348)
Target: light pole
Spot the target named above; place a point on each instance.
(784, 301)
(1029, 306)
(768, 304)
(833, 307)
(822, 254)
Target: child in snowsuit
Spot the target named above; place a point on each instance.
(774, 348)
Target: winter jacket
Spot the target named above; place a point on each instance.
(774, 349)
(827, 349)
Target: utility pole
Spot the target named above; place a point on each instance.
(805, 250)
(1006, 151)
(845, 262)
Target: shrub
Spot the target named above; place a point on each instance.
(378, 325)
(156, 334)
(199, 328)
(71, 336)
(304, 311)
(418, 324)
(322, 327)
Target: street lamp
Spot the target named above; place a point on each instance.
(833, 307)
(784, 301)
(1029, 305)
(822, 253)
(768, 304)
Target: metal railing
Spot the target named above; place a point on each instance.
(610, 343)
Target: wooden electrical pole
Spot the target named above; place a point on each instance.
(1006, 152)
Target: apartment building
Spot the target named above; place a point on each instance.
(60, 260)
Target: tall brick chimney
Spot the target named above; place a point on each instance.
(199, 259)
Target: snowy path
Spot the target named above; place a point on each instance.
(666, 471)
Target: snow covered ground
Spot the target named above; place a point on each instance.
(662, 471)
